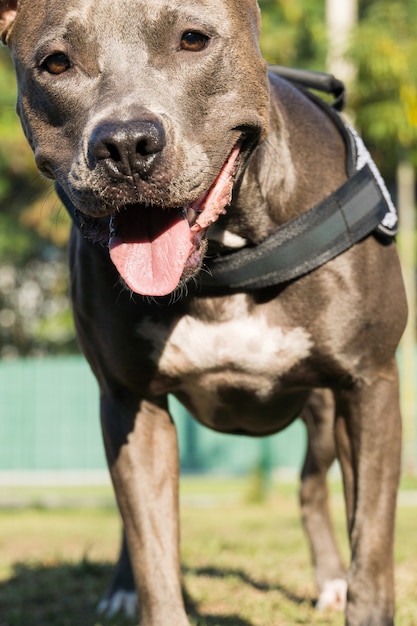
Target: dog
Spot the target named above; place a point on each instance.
(171, 145)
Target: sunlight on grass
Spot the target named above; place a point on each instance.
(243, 564)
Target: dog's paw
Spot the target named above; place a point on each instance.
(333, 595)
(125, 602)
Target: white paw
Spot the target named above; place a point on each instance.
(125, 602)
(333, 595)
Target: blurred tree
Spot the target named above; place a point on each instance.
(383, 97)
(294, 32)
(384, 94)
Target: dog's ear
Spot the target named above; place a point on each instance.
(8, 12)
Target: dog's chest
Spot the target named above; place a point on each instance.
(215, 364)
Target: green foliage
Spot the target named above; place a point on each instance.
(384, 96)
(293, 32)
(16, 243)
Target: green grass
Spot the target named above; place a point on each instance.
(243, 564)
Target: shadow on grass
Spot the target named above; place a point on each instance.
(213, 572)
(62, 594)
(66, 594)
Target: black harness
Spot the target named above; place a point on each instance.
(359, 207)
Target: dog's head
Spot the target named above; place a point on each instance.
(145, 113)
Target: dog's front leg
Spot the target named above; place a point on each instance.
(368, 433)
(141, 447)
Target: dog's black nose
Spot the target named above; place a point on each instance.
(127, 148)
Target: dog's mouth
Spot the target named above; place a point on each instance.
(153, 247)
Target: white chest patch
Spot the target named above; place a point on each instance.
(247, 345)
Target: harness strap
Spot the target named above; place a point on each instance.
(304, 243)
(309, 79)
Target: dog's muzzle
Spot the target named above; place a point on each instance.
(153, 247)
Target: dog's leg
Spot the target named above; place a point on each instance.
(121, 596)
(141, 447)
(329, 572)
(368, 435)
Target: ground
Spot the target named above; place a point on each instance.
(245, 562)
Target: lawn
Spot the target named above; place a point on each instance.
(245, 563)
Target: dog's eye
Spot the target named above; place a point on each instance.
(193, 41)
(56, 63)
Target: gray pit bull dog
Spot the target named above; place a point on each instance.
(157, 119)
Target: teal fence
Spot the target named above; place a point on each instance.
(49, 421)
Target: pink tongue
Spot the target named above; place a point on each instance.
(150, 252)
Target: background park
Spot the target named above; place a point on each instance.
(59, 527)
